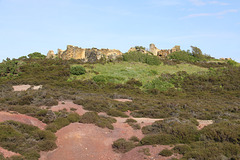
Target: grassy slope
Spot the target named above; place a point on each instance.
(139, 71)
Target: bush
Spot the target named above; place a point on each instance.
(73, 117)
(182, 149)
(163, 139)
(77, 70)
(221, 132)
(141, 57)
(166, 153)
(232, 63)
(100, 121)
(25, 139)
(116, 113)
(187, 56)
(159, 84)
(134, 139)
(122, 146)
(183, 130)
(36, 55)
(58, 124)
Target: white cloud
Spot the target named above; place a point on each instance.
(211, 14)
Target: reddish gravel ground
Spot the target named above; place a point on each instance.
(68, 105)
(89, 142)
(83, 142)
(5, 116)
(7, 153)
(137, 153)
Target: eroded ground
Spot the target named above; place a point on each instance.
(89, 142)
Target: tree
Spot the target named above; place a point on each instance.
(36, 55)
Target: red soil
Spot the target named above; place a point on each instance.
(83, 141)
(137, 153)
(5, 116)
(68, 105)
(7, 153)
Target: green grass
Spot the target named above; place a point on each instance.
(124, 71)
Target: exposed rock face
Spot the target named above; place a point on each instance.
(134, 49)
(163, 52)
(87, 54)
(51, 54)
(223, 59)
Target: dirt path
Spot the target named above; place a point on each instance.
(7, 153)
(5, 116)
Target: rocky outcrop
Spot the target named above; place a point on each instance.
(225, 59)
(86, 54)
(163, 52)
(51, 54)
(138, 49)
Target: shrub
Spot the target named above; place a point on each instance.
(159, 84)
(73, 117)
(141, 57)
(121, 145)
(77, 70)
(134, 82)
(163, 139)
(134, 139)
(221, 132)
(232, 63)
(166, 153)
(131, 120)
(100, 121)
(182, 149)
(183, 130)
(116, 113)
(25, 139)
(58, 124)
(36, 55)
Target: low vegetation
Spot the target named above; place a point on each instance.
(100, 121)
(122, 146)
(182, 88)
(25, 139)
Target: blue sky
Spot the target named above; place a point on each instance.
(28, 26)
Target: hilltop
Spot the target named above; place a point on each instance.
(101, 103)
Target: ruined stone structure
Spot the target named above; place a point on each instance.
(51, 54)
(134, 49)
(86, 54)
(162, 52)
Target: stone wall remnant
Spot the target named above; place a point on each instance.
(86, 54)
(163, 52)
